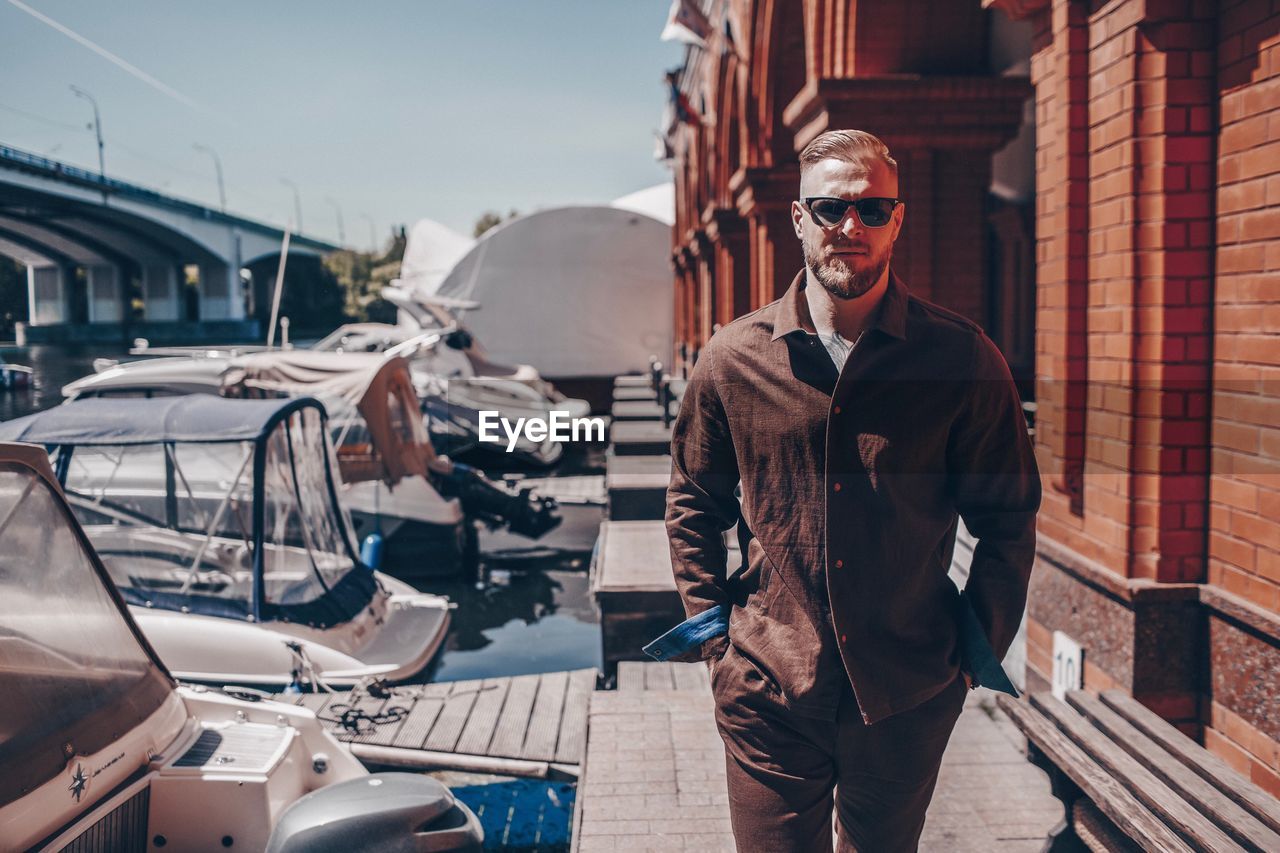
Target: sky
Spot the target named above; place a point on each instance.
(391, 110)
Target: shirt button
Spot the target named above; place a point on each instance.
(839, 564)
(836, 487)
(836, 410)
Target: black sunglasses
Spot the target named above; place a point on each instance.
(872, 212)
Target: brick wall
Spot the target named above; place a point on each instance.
(1244, 497)
(1158, 332)
(1244, 554)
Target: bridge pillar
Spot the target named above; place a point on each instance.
(47, 295)
(160, 292)
(220, 293)
(106, 294)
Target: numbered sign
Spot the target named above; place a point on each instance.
(1068, 665)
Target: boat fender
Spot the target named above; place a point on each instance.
(371, 551)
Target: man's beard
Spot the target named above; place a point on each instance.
(842, 281)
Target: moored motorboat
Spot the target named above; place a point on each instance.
(14, 376)
(391, 478)
(102, 750)
(219, 522)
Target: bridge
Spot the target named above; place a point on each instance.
(107, 259)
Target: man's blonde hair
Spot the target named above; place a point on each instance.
(846, 145)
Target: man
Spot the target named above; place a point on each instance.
(860, 421)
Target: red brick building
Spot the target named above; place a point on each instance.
(1097, 184)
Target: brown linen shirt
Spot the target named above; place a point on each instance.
(852, 482)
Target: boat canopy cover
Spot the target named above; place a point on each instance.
(196, 419)
(574, 291)
(77, 671)
(430, 252)
(390, 444)
(211, 505)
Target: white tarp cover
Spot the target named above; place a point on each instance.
(430, 252)
(574, 291)
(658, 201)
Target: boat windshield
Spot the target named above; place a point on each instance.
(353, 338)
(174, 521)
(71, 669)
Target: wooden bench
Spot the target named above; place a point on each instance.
(1131, 781)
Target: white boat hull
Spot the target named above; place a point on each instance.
(395, 645)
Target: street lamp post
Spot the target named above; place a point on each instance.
(97, 126)
(297, 204)
(217, 166)
(342, 232)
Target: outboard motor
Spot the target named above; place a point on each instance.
(459, 339)
(521, 510)
(393, 812)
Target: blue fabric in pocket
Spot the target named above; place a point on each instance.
(690, 634)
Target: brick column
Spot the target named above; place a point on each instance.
(1124, 211)
(705, 275)
(681, 319)
(764, 199)
(728, 234)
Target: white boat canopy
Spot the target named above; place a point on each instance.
(210, 505)
(574, 291)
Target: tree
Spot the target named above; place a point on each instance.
(491, 219)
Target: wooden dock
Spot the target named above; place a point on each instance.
(632, 583)
(634, 393)
(638, 410)
(637, 487)
(524, 725)
(640, 438)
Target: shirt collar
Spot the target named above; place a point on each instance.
(793, 310)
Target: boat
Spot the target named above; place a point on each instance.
(104, 750)
(388, 465)
(219, 521)
(449, 363)
(453, 378)
(14, 376)
(391, 478)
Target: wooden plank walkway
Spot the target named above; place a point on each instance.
(634, 393)
(637, 487)
(640, 438)
(637, 410)
(533, 718)
(634, 588)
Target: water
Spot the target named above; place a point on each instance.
(54, 367)
(522, 622)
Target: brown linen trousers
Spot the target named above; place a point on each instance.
(843, 621)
